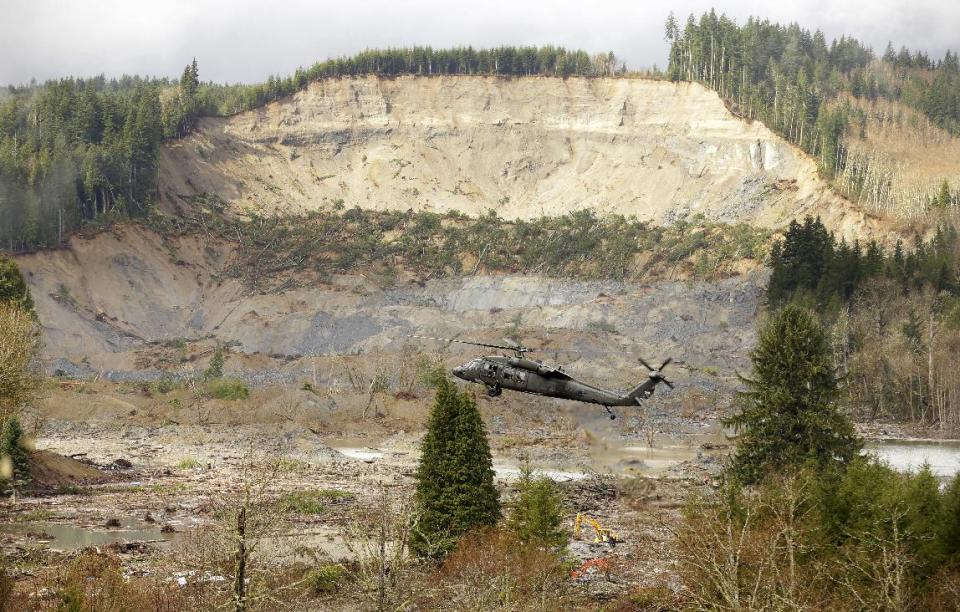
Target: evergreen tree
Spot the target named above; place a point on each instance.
(949, 535)
(215, 369)
(943, 196)
(13, 288)
(536, 515)
(455, 490)
(14, 458)
(924, 516)
(789, 415)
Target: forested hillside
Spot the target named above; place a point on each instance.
(822, 97)
(894, 319)
(84, 149)
(76, 150)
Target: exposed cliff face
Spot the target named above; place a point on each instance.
(523, 147)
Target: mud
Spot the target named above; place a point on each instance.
(308, 334)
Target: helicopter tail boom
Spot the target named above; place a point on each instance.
(654, 378)
(643, 390)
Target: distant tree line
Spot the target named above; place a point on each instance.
(810, 264)
(424, 61)
(797, 84)
(894, 318)
(75, 150)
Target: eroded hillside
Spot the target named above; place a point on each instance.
(129, 304)
(664, 152)
(523, 147)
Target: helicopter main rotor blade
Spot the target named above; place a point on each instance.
(666, 363)
(645, 364)
(496, 346)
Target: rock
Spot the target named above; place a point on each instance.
(119, 464)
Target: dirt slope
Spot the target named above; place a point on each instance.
(108, 300)
(523, 147)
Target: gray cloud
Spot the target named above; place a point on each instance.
(245, 40)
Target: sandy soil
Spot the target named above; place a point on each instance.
(524, 147)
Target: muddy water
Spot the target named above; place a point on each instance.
(367, 455)
(71, 537)
(656, 457)
(910, 455)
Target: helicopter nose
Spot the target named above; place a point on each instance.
(459, 372)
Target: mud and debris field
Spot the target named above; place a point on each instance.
(135, 475)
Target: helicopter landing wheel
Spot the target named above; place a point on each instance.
(494, 391)
(610, 412)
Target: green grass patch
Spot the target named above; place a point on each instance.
(188, 463)
(228, 389)
(30, 516)
(285, 465)
(326, 578)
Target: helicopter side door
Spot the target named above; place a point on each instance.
(491, 373)
(515, 378)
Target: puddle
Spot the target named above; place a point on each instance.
(654, 460)
(73, 537)
(910, 455)
(368, 455)
(510, 472)
(629, 459)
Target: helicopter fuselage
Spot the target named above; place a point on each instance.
(498, 372)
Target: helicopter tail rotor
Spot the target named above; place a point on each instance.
(657, 373)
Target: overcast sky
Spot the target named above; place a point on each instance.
(245, 40)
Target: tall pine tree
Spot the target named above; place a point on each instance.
(789, 416)
(455, 490)
(13, 288)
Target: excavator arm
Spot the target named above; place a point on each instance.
(601, 534)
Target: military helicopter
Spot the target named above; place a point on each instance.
(518, 373)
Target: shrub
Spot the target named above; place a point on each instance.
(95, 581)
(228, 389)
(166, 384)
(327, 578)
(310, 501)
(860, 536)
(215, 369)
(429, 373)
(490, 570)
(14, 458)
(19, 350)
(536, 515)
(13, 289)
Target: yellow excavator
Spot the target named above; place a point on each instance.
(602, 535)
